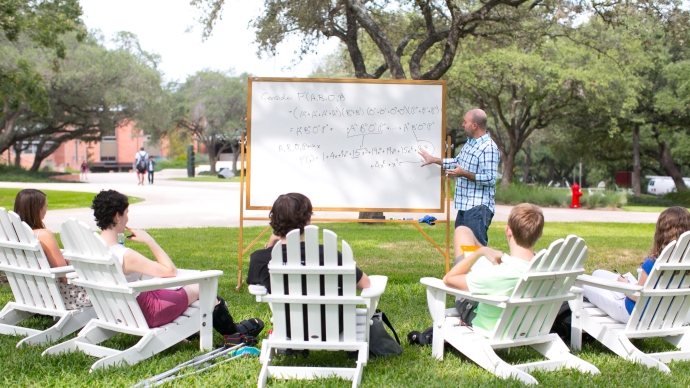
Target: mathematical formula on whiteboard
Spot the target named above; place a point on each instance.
(345, 144)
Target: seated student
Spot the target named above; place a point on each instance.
(31, 206)
(111, 211)
(525, 225)
(290, 211)
(671, 223)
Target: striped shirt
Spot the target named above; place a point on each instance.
(479, 156)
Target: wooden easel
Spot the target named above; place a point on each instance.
(242, 251)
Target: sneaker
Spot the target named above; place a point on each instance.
(230, 340)
(292, 352)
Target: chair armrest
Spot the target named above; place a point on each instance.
(377, 287)
(258, 290)
(183, 278)
(626, 288)
(63, 270)
(488, 299)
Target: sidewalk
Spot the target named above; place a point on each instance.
(180, 204)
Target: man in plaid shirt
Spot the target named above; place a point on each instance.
(475, 168)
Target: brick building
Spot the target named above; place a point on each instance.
(114, 153)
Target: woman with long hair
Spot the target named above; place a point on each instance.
(32, 205)
(671, 223)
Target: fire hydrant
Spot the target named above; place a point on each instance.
(576, 196)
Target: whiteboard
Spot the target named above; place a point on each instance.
(347, 144)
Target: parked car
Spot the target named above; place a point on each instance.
(660, 185)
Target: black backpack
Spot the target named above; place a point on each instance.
(561, 326)
(142, 162)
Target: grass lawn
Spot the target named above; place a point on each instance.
(56, 199)
(646, 209)
(398, 251)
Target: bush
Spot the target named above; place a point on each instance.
(679, 198)
(649, 200)
(671, 199)
(556, 197)
(600, 199)
(163, 164)
(538, 195)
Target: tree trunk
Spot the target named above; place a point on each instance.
(528, 163)
(508, 164)
(212, 161)
(552, 171)
(17, 156)
(667, 162)
(637, 169)
(235, 157)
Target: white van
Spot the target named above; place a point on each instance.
(660, 185)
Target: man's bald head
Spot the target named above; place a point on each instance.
(478, 117)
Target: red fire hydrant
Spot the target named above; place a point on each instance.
(576, 196)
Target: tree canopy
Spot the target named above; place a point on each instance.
(211, 105)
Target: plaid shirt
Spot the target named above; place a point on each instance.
(479, 156)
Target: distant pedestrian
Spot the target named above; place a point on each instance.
(140, 160)
(150, 166)
(84, 168)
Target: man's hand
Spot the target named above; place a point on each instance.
(428, 159)
(459, 172)
(493, 255)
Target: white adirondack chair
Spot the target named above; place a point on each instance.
(662, 305)
(34, 285)
(284, 305)
(100, 273)
(527, 318)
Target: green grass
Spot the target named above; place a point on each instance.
(207, 179)
(13, 174)
(398, 251)
(645, 209)
(56, 199)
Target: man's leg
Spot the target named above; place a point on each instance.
(459, 221)
(478, 220)
(463, 236)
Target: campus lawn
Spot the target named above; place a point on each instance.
(645, 209)
(56, 199)
(398, 251)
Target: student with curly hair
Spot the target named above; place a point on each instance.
(290, 211)
(31, 206)
(671, 223)
(111, 211)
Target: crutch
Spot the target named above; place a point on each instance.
(153, 381)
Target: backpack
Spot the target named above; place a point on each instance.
(141, 164)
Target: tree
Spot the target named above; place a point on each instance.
(95, 91)
(211, 105)
(27, 23)
(424, 33)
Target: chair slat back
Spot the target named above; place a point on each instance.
(315, 286)
(671, 272)
(93, 262)
(548, 278)
(20, 248)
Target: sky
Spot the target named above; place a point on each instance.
(161, 27)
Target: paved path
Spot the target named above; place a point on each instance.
(178, 204)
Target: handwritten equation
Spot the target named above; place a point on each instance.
(341, 112)
(359, 129)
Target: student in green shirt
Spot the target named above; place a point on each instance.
(525, 225)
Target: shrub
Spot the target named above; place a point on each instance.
(679, 198)
(556, 197)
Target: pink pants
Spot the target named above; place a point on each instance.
(162, 306)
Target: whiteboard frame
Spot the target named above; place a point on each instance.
(441, 142)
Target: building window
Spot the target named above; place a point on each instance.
(108, 151)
